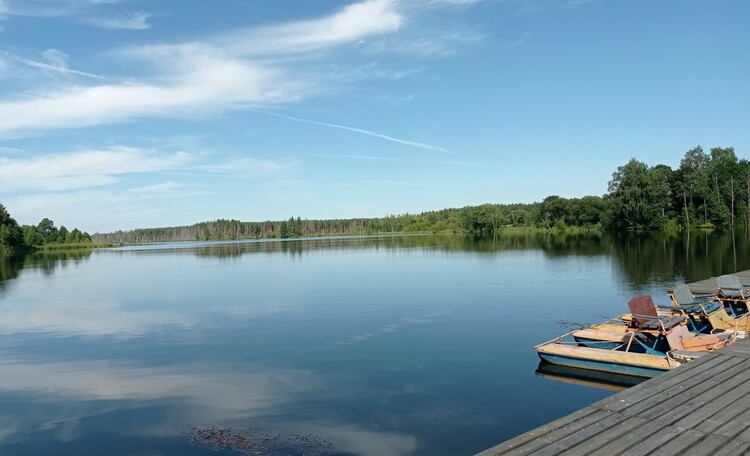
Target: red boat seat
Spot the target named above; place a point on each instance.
(644, 315)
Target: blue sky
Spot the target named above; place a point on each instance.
(119, 114)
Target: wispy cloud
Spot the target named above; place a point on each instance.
(517, 43)
(390, 183)
(102, 189)
(245, 165)
(184, 76)
(168, 187)
(454, 2)
(354, 22)
(435, 44)
(248, 67)
(98, 167)
(133, 20)
(87, 168)
(364, 132)
(98, 13)
(573, 4)
(195, 88)
(399, 159)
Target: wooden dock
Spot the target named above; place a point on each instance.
(700, 408)
(708, 286)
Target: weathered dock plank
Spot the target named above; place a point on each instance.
(672, 383)
(732, 448)
(710, 445)
(670, 441)
(699, 408)
(568, 423)
(627, 434)
(708, 286)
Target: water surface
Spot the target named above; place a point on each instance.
(417, 345)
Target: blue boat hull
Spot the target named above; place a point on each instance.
(616, 368)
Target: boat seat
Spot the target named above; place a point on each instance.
(730, 287)
(682, 296)
(709, 307)
(644, 316)
(656, 323)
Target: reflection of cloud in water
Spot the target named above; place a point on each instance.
(100, 319)
(9, 426)
(227, 394)
(65, 395)
(66, 430)
(360, 441)
(111, 319)
(404, 322)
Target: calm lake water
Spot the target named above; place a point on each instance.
(419, 345)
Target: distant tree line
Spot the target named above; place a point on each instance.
(16, 238)
(707, 190)
(553, 212)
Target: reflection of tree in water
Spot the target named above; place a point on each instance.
(657, 257)
(642, 259)
(47, 262)
(10, 267)
(553, 244)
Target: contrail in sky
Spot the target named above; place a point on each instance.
(364, 132)
(48, 66)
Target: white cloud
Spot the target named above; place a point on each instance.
(161, 188)
(191, 78)
(87, 209)
(97, 13)
(84, 168)
(94, 167)
(246, 165)
(354, 22)
(207, 82)
(437, 43)
(134, 20)
(573, 4)
(454, 3)
(77, 188)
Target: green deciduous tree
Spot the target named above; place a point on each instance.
(11, 235)
(629, 203)
(47, 230)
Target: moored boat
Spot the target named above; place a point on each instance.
(648, 345)
(705, 314)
